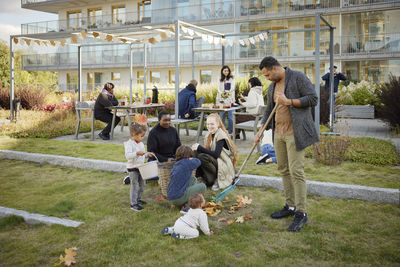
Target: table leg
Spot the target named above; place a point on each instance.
(129, 119)
(200, 128)
(113, 123)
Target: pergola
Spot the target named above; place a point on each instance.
(135, 35)
(139, 34)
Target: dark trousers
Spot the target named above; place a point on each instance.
(208, 168)
(107, 118)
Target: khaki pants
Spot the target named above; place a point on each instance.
(291, 166)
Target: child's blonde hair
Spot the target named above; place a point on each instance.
(196, 200)
(221, 125)
(137, 128)
(183, 152)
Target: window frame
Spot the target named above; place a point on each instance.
(78, 19)
(201, 76)
(113, 76)
(115, 21)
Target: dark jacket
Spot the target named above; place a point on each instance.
(163, 142)
(103, 101)
(187, 101)
(180, 177)
(336, 80)
(297, 86)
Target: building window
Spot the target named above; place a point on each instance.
(309, 38)
(172, 77)
(94, 80)
(144, 11)
(118, 14)
(115, 76)
(205, 76)
(139, 77)
(94, 17)
(74, 19)
(72, 81)
(155, 76)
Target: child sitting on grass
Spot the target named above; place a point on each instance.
(135, 154)
(186, 226)
(182, 184)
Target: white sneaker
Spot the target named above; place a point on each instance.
(215, 187)
(262, 159)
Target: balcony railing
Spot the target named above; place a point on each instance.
(190, 13)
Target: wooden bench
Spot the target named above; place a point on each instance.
(252, 125)
(175, 122)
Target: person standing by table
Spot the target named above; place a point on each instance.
(226, 94)
(106, 99)
(293, 130)
(187, 101)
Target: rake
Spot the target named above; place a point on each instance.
(236, 179)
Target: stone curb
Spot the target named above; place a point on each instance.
(81, 163)
(34, 218)
(335, 190)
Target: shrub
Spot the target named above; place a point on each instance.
(390, 98)
(362, 93)
(31, 97)
(331, 149)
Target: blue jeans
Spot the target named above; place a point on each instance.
(230, 121)
(268, 149)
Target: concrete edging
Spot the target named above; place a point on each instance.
(35, 218)
(335, 190)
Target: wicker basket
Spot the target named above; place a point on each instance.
(164, 175)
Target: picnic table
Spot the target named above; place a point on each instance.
(128, 110)
(204, 110)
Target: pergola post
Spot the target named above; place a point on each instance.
(193, 59)
(11, 80)
(331, 81)
(223, 52)
(79, 73)
(144, 71)
(130, 73)
(177, 67)
(317, 65)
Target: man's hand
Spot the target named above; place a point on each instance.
(187, 115)
(149, 154)
(283, 100)
(258, 137)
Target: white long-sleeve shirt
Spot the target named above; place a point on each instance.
(196, 218)
(131, 147)
(254, 100)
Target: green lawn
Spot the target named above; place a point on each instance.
(340, 232)
(348, 172)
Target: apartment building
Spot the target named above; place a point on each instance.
(366, 38)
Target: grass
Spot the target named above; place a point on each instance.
(347, 173)
(114, 235)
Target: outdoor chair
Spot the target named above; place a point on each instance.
(252, 125)
(84, 107)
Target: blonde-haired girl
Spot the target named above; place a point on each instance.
(218, 157)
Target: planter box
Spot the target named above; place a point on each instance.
(355, 111)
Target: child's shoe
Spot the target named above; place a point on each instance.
(175, 235)
(136, 207)
(141, 202)
(127, 180)
(167, 230)
(215, 187)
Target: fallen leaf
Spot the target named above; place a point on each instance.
(140, 118)
(231, 211)
(222, 219)
(243, 201)
(248, 217)
(211, 208)
(240, 219)
(229, 222)
(160, 198)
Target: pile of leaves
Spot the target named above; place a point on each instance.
(213, 209)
